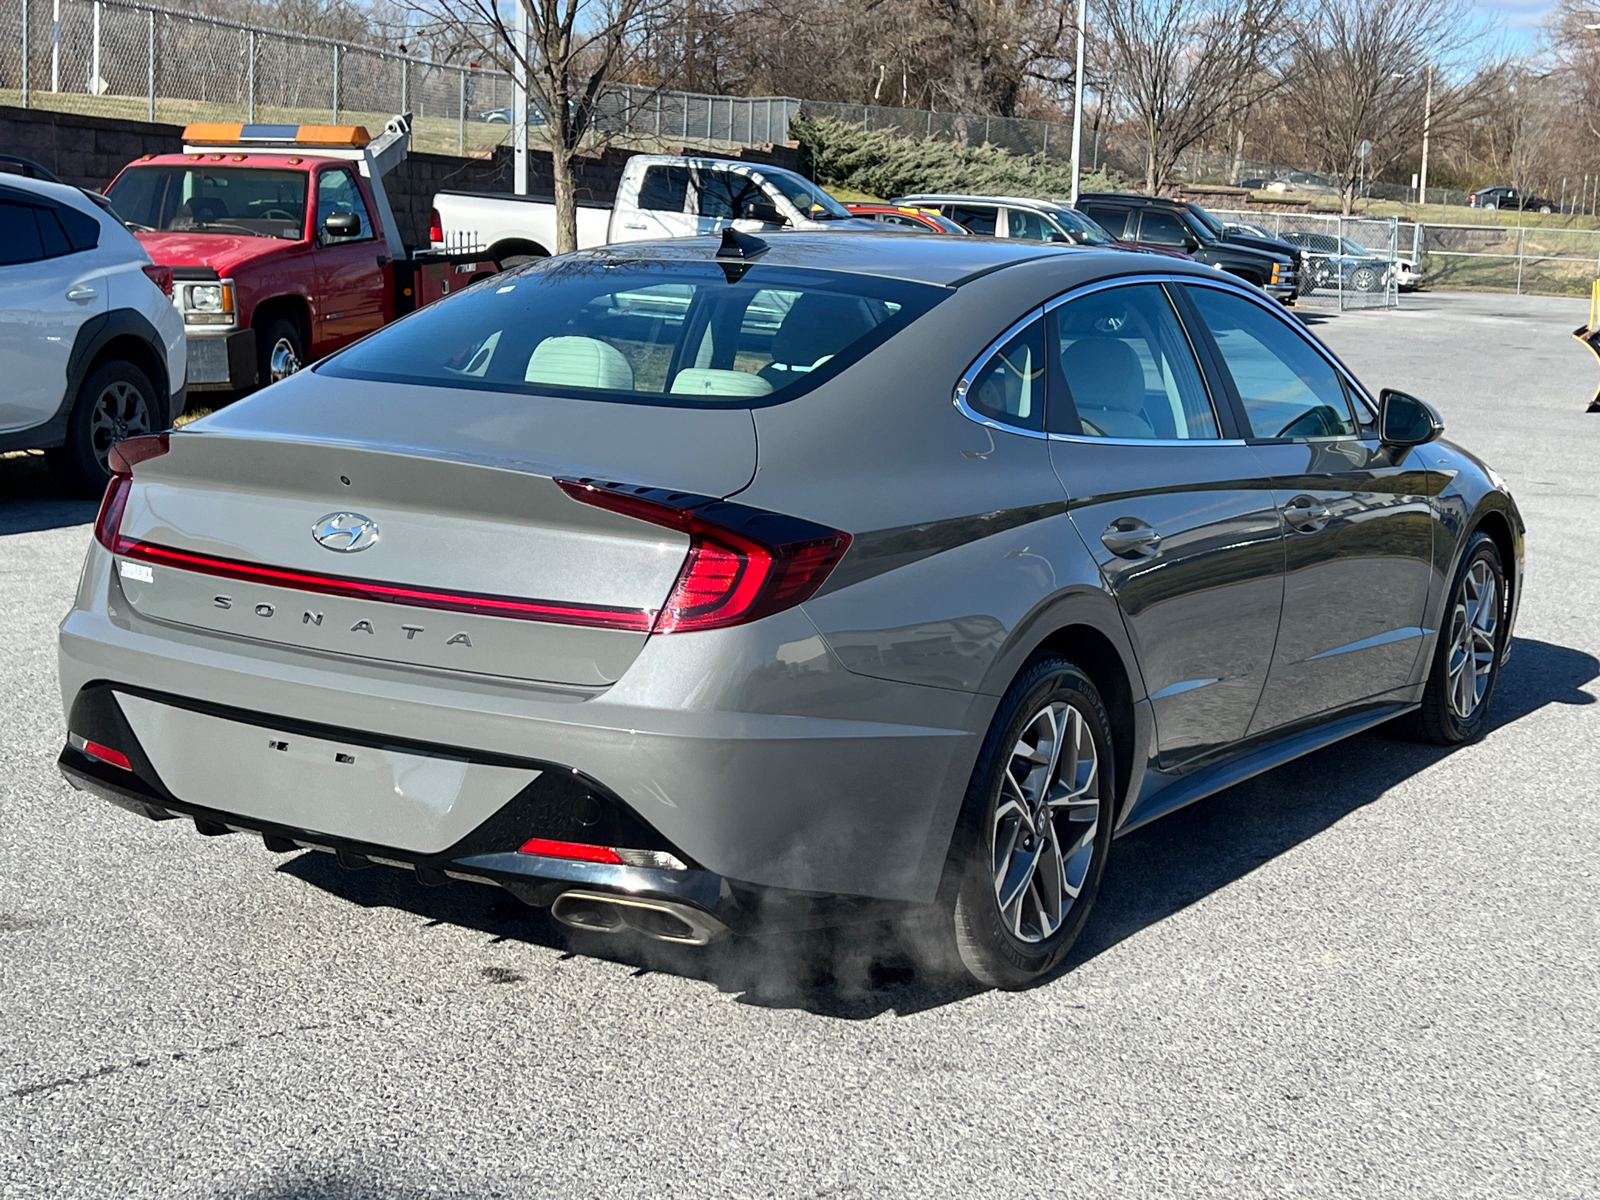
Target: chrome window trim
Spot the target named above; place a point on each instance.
(979, 363)
(1222, 282)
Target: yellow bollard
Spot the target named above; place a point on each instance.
(1589, 335)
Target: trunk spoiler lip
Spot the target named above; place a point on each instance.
(557, 612)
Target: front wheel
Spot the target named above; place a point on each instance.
(281, 351)
(1466, 662)
(1365, 279)
(1035, 829)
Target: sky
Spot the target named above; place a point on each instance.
(1519, 18)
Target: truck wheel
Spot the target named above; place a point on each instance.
(117, 401)
(281, 351)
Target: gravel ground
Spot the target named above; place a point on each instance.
(1372, 972)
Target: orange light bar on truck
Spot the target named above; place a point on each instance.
(211, 133)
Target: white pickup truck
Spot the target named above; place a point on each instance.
(660, 196)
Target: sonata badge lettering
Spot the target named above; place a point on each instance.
(345, 532)
(311, 617)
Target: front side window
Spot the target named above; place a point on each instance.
(728, 196)
(1288, 389)
(207, 199)
(338, 195)
(1029, 226)
(1163, 229)
(1127, 369)
(1009, 385)
(809, 200)
(606, 326)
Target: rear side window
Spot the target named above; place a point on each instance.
(1126, 369)
(1009, 385)
(978, 218)
(1113, 220)
(33, 232)
(610, 327)
(665, 189)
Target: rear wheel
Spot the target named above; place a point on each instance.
(1545, 208)
(1035, 829)
(280, 351)
(1466, 662)
(116, 401)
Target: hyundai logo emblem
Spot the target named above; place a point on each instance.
(345, 532)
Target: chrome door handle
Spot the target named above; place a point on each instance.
(1129, 537)
(81, 292)
(1306, 514)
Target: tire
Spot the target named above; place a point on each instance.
(1545, 208)
(116, 401)
(280, 350)
(1491, 206)
(1455, 703)
(1365, 279)
(1010, 925)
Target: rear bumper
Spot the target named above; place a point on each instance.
(222, 362)
(792, 774)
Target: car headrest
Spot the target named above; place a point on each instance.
(579, 362)
(1104, 372)
(708, 381)
(819, 325)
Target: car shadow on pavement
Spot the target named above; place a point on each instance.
(31, 500)
(862, 971)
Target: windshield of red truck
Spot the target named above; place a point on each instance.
(207, 198)
(608, 326)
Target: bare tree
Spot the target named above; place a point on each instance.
(574, 50)
(1185, 69)
(1358, 74)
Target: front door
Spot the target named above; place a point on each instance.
(1358, 526)
(1177, 511)
(350, 279)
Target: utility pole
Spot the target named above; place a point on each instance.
(1427, 128)
(519, 103)
(1077, 104)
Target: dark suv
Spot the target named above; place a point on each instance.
(1269, 264)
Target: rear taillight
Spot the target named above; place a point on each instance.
(124, 456)
(435, 226)
(160, 276)
(743, 563)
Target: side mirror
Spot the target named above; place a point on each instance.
(1055, 235)
(342, 224)
(1403, 420)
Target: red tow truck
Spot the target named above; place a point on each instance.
(282, 244)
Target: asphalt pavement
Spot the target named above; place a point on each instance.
(1373, 972)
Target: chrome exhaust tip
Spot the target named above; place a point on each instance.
(663, 920)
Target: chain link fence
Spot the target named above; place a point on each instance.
(1507, 258)
(1351, 262)
(123, 58)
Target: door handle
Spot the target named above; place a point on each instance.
(81, 292)
(1129, 537)
(1306, 514)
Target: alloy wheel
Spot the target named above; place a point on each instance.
(1042, 838)
(284, 360)
(1474, 629)
(119, 412)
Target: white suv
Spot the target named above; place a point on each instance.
(91, 348)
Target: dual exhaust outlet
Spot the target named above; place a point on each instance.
(663, 920)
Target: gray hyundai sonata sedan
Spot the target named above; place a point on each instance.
(689, 587)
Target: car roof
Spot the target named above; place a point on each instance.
(969, 198)
(1128, 197)
(945, 260)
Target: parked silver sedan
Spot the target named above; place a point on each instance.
(685, 586)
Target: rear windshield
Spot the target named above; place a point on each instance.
(661, 332)
(212, 199)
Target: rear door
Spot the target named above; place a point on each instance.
(1177, 510)
(46, 294)
(350, 283)
(662, 209)
(1358, 525)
